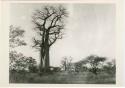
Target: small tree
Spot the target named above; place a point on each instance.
(32, 65)
(66, 63)
(94, 63)
(15, 35)
(21, 63)
(14, 60)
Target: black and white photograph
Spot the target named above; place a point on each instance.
(62, 43)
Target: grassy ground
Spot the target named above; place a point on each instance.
(62, 78)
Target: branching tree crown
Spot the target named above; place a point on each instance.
(49, 22)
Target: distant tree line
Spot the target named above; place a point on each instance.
(92, 63)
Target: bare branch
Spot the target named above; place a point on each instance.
(54, 40)
(54, 33)
(37, 43)
(49, 20)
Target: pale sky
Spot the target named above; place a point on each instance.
(90, 29)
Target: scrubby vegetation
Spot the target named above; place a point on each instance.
(74, 74)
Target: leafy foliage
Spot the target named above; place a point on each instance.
(18, 62)
(95, 62)
(110, 67)
(14, 36)
(81, 66)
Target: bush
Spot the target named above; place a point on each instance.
(33, 69)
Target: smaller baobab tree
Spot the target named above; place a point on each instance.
(49, 24)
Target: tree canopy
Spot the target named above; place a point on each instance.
(15, 34)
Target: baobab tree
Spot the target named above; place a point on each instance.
(49, 24)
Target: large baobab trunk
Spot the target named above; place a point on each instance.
(47, 62)
(41, 59)
(45, 55)
(44, 62)
(47, 51)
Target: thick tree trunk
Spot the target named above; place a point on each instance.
(41, 60)
(44, 60)
(46, 52)
(47, 62)
(42, 54)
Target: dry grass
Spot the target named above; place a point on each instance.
(63, 78)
